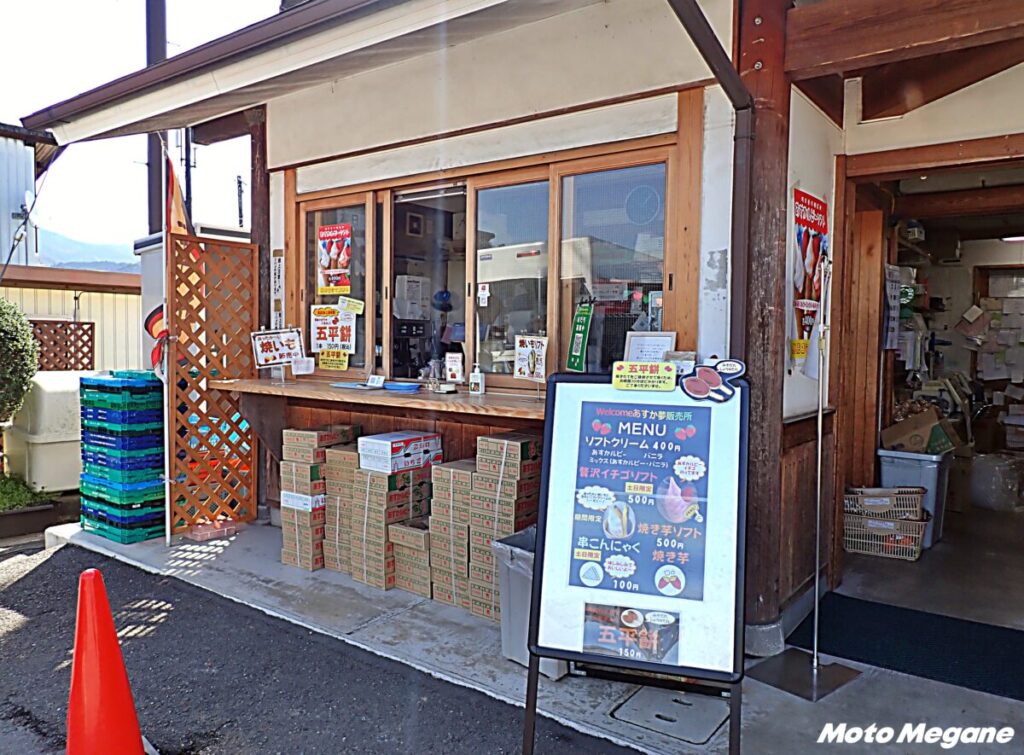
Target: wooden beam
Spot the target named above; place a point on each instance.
(996, 200)
(259, 197)
(220, 129)
(898, 88)
(838, 36)
(969, 154)
(762, 31)
(828, 93)
(70, 279)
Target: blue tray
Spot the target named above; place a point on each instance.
(102, 440)
(402, 387)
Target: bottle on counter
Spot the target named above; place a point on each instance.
(476, 381)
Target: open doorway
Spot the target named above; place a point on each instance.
(931, 394)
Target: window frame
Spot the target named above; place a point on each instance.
(340, 202)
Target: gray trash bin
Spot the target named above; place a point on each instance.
(901, 469)
(514, 555)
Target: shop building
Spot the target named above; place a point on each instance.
(512, 157)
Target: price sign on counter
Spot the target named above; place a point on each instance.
(640, 561)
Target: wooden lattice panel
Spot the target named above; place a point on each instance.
(212, 300)
(65, 345)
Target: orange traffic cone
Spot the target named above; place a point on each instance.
(101, 712)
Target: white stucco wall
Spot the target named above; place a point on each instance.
(599, 52)
(989, 108)
(814, 142)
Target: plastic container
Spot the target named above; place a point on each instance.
(42, 444)
(901, 469)
(514, 555)
(997, 481)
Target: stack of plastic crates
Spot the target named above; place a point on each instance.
(122, 486)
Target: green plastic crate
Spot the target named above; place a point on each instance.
(131, 509)
(122, 475)
(121, 401)
(118, 453)
(112, 495)
(122, 427)
(136, 535)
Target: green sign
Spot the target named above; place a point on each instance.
(576, 361)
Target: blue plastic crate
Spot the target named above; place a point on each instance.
(101, 457)
(129, 416)
(103, 440)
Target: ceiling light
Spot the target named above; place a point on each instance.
(1013, 239)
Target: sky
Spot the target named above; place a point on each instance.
(96, 191)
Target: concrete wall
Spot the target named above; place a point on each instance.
(814, 142)
(601, 51)
(117, 318)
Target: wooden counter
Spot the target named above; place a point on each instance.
(486, 406)
(270, 407)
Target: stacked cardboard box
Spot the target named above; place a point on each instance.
(411, 543)
(502, 500)
(449, 531)
(380, 499)
(340, 468)
(303, 493)
(393, 452)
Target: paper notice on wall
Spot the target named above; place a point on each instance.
(531, 354)
(993, 366)
(999, 398)
(277, 288)
(1017, 376)
(806, 269)
(334, 259)
(351, 305)
(973, 313)
(976, 327)
(1015, 392)
(335, 360)
(1013, 306)
(332, 328)
(1008, 337)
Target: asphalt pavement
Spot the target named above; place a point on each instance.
(212, 676)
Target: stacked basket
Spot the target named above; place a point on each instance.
(888, 522)
(122, 488)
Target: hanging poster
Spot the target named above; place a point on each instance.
(331, 327)
(531, 357)
(334, 259)
(892, 307)
(639, 561)
(810, 216)
(272, 348)
(277, 288)
(576, 361)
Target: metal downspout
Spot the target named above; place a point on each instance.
(703, 37)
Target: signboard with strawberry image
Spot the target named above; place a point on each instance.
(640, 514)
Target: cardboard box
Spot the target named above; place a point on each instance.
(359, 548)
(380, 581)
(409, 561)
(444, 492)
(303, 487)
(454, 474)
(301, 471)
(457, 598)
(303, 547)
(413, 534)
(291, 500)
(510, 471)
(381, 500)
(441, 561)
(484, 592)
(485, 482)
(414, 460)
(443, 548)
(339, 488)
(485, 609)
(447, 579)
(482, 538)
(342, 457)
(319, 437)
(339, 535)
(453, 513)
(483, 555)
(912, 434)
(303, 518)
(513, 447)
(500, 526)
(483, 574)
(340, 565)
(403, 445)
(303, 454)
(443, 527)
(309, 563)
(503, 507)
(418, 479)
(416, 587)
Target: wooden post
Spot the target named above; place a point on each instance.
(762, 38)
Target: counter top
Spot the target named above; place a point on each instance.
(525, 407)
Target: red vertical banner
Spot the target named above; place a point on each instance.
(810, 217)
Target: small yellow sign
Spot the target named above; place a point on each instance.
(583, 554)
(644, 376)
(798, 348)
(334, 359)
(351, 305)
(639, 487)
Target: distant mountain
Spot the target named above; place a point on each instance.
(58, 250)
